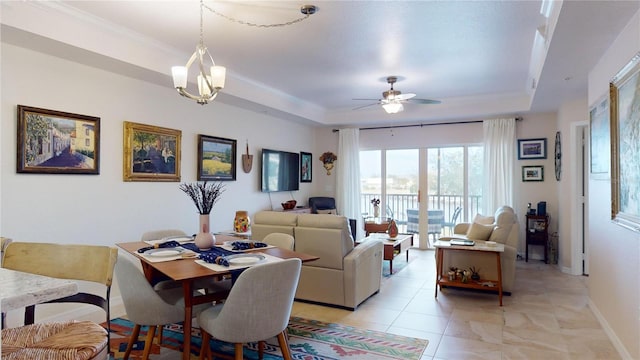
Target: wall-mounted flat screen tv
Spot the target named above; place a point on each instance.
(280, 170)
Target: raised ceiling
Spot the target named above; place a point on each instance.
(480, 58)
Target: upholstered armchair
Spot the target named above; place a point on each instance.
(326, 205)
(502, 228)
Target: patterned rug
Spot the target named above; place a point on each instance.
(309, 340)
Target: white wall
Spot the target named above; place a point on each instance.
(102, 209)
(614, 261)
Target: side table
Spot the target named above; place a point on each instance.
(537, 234)
(482, 284)
(392, 248)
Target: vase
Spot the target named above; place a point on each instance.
(392, 230)
(241, 222)
(376, 211)
(204, 239)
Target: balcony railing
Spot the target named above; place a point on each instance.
(397, 205)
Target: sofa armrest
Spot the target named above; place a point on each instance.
(362, 272)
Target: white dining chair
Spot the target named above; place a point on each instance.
(280, 240)
(146, 306)
(242, 318)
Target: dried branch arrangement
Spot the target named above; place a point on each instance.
(204, 194)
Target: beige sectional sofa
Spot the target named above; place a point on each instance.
(344, 275)
(502, 227)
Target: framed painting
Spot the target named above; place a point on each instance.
(625, 145)
(599, 140)
(56, 142)
(305, 167)
(533, 173)
(532, 149)
(151, 153)
(216, 158)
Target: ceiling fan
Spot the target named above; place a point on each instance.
(392, 100)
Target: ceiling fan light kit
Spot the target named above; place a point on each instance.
(393, 107)
(392, 100)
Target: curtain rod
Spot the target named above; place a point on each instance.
(519, 118)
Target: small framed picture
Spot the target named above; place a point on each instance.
(56, 142)
(216, 158)
(533, 173)
(305, 167)
(532, 149)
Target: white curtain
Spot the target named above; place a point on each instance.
(348, 177)
(499, 154)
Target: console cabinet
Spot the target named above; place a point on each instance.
(537, 234)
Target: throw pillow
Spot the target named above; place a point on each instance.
(328, 211)
(484, 220)
(479, 231)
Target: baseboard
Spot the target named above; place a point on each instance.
(622, 351)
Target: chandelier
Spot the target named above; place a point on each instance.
(209, 83)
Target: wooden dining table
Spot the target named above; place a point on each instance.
(20, 289)
(186, 271)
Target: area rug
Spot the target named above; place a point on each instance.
(399, 263)
(309, 340)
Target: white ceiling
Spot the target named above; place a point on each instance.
(477, 57)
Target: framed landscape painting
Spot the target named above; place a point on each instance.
(532, 149)
(151, 153)
(216, 158)
(625, 145)
(305, 167)
(56, 142)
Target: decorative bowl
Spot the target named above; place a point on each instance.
(288, 205)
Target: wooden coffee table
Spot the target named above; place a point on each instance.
(392, 247)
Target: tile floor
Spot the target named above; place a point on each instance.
(546, 317)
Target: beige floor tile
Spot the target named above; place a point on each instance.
(535, 339)
(421, 322)
(475, 330)
(477, 314)
(512, 352)
(457, 348)
(542, 321)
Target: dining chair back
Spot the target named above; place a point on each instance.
(91, 263)
(242, 318)
(161, 234)
(280, 240)
(144, 305)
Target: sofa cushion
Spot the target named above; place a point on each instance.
(484, 220)
(479, 231)
(275, 218)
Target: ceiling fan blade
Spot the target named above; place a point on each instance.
(406, 96)
(364, 106)
(425, 101)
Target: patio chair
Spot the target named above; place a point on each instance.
(454, 220)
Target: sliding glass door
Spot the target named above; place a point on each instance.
(451, 178)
